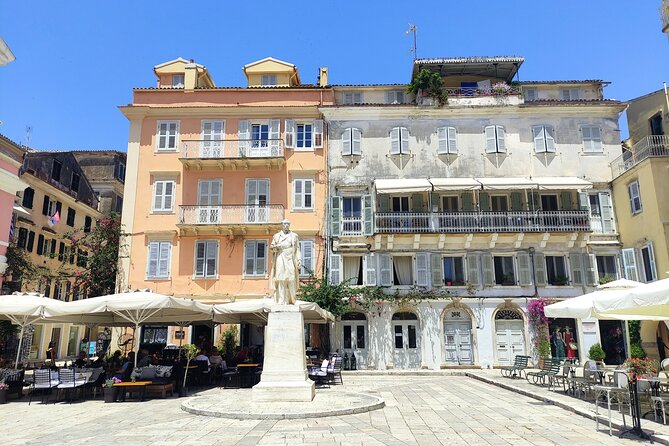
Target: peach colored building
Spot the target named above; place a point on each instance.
(211, 173)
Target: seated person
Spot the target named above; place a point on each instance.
(81, 359)
(203, 357)
(144, 358)
(126, 369)
(242, 355)
(216, 360)
(115, 361)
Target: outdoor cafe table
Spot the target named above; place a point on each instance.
(130, 386)
(655, 385)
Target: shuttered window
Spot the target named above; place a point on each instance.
(592, 139)
(159, 259)
(168, 135)
(206, 258)
(163, 195)
(629, 264)
(307, 254)
(352, 97)
(544, 138)
(351, 142)
(28, 196)
(648, 258)
(303, 193)
(635, 197)
(448, 140)
(495, 139)
(399, 141)
(255, 255)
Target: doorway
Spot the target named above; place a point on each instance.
(406, 344)
(201, 336)
(458, 338)
(509, 335)
(355, 337)
(612, 334)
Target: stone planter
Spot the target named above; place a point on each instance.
(110, 394)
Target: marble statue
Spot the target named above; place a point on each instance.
(284, 277)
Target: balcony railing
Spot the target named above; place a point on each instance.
(351, 226)
(231, 214)
(647, 147)
(466, 222)
(233, 149)
(507, 90)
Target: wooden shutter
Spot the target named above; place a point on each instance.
(368, 214)
(318, 134)
(473, 269)
(417, 203)
(488, 267)
(384, 203)
(590, 268)
(385, 270)
(467, 201)
(164, 259)
(436, 273)
(244, 136)
(596, 139)
(158, 192)
(274, 136)
(452, 140)
(484, 202)
(335, 215)
(535, 201)
(516, 201)
(651, 259)
(395, 141)
(290, 133)
(249, 258)
(346, 142)
(40, 245)
(501, 139)
(335, 269)
(565, 197)
(200, 258)
(607, 212)
(442, 137)
(298, 190)
(356, 141)
(629, 264)
(490, 143)
(404, 135)
(152, 264)
(576, 264)
(524, 269)
(307, 252)
(422, 269)
(539, 140)
(549, 132)
(583, 201)
(540, 269)
(168, 201)
(370, 269)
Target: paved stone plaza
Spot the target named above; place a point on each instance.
(424, 410)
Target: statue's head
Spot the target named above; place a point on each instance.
(285, 225)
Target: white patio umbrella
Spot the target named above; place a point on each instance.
(581, 307)
(647, 302)
(134, 309)
(24, 309)
(255, 311)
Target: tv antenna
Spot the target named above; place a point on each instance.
(412, 29)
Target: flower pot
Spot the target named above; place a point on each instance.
(3, 396)
(110, 395)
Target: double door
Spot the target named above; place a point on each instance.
(406, 345)
(510, 340)
(257, 201)
(458, 342)
(209, 202)
(355, 341)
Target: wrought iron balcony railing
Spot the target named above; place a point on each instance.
(232, 149)
(243, 214)
(649, 146)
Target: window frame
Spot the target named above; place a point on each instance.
(348, 136)
(167, 136)
(535, 94)
(264, 78)
(592, 150)
(391, 97)
(504, 273)
(570, 93)
(157, 275)
(28, 198)
(353, 96)
(163, 209)
(303, 194)
(208, 243)
(175, 80)
(632, 197)
(454, 279)
(401, 149)
(73, 214)
(303, 134)
(546, 137)
(56, 170)
(553, 269)
(498, 137)
(255, 243)
(652, 263)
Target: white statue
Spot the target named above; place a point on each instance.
(286, 267)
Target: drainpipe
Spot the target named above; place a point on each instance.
(530, 251)
(666, 96)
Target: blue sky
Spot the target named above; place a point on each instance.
(77, 61)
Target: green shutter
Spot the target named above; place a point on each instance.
(535, 201)
(488, 270)
(335, 214)
(384, 203)
(467, 201)
(368, 214)
(565, 196)
(516, 201)
(540, 269)
(484, 202)
(524, 269)
(473, 269)
(417, 203)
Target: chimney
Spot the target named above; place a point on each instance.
(323, 77)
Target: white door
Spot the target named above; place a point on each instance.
(212, 139)
(406, 344)
(257, 201)
(510, 340)
(458, 342)
(355, 341)
(209, 202)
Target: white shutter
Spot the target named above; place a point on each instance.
(335, 269)
(524, 269)
(576, 264)
(473, 269)
(356, 143)
(590, 267)
(318, 133)
(370, 269)
(164, 259)
(539, 140)
(651, 258)
(442, 136)
(244, 136)
(298, 190)
(390, 97)
(395, 141)
(386, 270)
(437, 274)
(168, 201)
(488, 267)
(307, 254)
(490, 144)
(249, 264)
(261, 258)
(274, 136)
(200, 258)
(335, 216)
(152, 264)
(596, 139)
(203, 193)
(587, 139)
(422, 266)
(290, 133)
(549, 132)
(404, 147)
(452, 140)
(346, 142)
(501, 139)
(607, 212)
(629, 264)
(157, 195)
(540, 269)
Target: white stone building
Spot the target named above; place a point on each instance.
(495, 198)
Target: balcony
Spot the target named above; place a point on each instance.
(231, 219)
(351, 226)
(482, 222)
(651, 146)
(233, 154)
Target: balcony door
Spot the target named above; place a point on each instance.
(211, 145)
(257, 200)
(352, 216)
(209, 202)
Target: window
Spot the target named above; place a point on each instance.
(399, 141)
(259, 135)
(635, 197)
(449, 204)
(55, 170)
(74, 184)
(570, 94)
(163, 195)
(52, 251)
(257, 199)
(40, 245)
(70, 216)
(352, 270)
(530, 94)
(544, 139)
(158, 264)
(394, 97)
(31, 241)
(119, 171)
(304, 136)
(255, 254)
(454, 272)
(82, 258)
(307, 254)
(504, 272)
(606, 267)
(47, 288)
(648, 257)
(206, 258)
(402, 270)
(351, 97)
(22, 239)
(351, 140)
(448, 140)
(168, 134)
(549, 203)
(28, 197)
(119, 204)
(303, 194)
(592, 139)
(556, 270)
(178, 80)
(400, 204)
(61, 251)
(499, 203)
(268, 79)
(494, 139)
(655, 124)
(88, 223)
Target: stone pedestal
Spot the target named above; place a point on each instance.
(284, 376)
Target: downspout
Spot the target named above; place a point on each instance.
(666, 96)
(530, 251)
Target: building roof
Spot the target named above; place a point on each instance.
(268, 59)
(499, 67)
(647, 95)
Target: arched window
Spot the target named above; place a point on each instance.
(508, 314)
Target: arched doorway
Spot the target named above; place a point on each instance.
(457, 337)
(406, 342)
(355, 337)
(509, 335)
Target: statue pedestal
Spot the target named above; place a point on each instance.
(284, 376)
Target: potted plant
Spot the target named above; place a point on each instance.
(508, 279)
(109, 390)
(448, 281)
(562, 280)
(190, 351)
(501, 88)
(3, 392)
(543, 349)
(640, 368)
(428, 83)
(596, 353)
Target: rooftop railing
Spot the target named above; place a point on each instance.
(648, 147)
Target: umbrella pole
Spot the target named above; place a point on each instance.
(137, 341)
(18, 350)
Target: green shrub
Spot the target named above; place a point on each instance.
(596, 352)
(636, 351)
